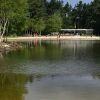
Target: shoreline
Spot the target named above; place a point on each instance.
(12, 44)
(7, 47)
(53, 38)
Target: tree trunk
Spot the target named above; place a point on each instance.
(3, 32)
(40, 33)
(0, 33)
(0, 30)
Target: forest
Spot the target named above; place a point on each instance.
(20, 17)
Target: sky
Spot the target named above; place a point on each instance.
(73, 2)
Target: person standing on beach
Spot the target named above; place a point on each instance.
(58, 36)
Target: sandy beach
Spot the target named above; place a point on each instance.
(53, 38)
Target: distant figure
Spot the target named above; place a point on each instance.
(35, 34)
(58, 36)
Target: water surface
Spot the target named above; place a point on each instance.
(51, 70)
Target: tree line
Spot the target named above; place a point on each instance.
(19, 17)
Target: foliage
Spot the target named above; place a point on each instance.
(12, 15)
(39, 25)
(54, 23)
(18, 16)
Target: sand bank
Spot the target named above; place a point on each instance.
(54, 38)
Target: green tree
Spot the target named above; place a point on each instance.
(39, 25)
(37, 13)
(96, 17)
(11, 12)
(54, 6)
(66, 15)
(54, 23)
(36, 8)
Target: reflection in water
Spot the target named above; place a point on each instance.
(12, 86)
(1, 56)
(51, 70)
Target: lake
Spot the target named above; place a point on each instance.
(51, 70)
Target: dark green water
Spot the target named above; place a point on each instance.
(51, 70)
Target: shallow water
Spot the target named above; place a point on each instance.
(51, 70)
